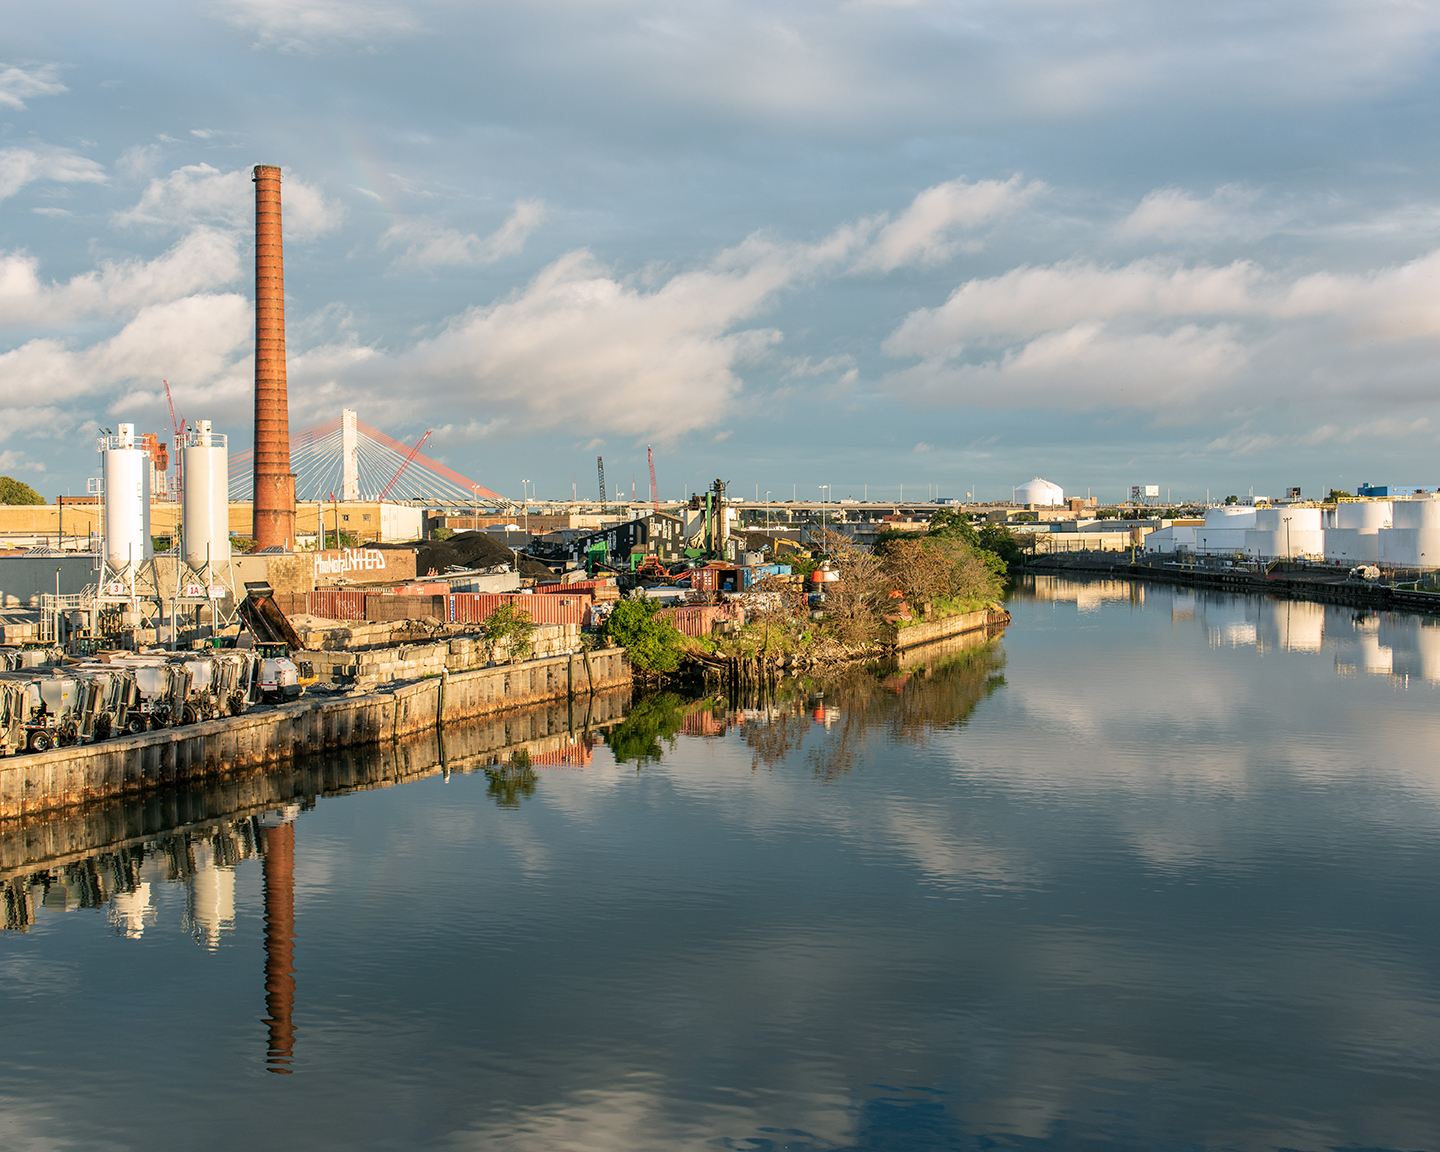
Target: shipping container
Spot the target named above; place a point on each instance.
(477, 607)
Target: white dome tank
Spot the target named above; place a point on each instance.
(205, 472)
(126, 473)
(1042, 492)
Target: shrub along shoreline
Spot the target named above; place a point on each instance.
(905, 580)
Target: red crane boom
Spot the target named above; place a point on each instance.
(418, 445)
(176, 425)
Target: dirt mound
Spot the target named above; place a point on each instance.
(468, 550)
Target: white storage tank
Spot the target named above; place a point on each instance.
(1414, 541)
(1286, 532)
(1042, 492)
(1229, 517)
(1355, 537)
(125, 470)
(205, 469)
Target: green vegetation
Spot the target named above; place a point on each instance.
(653, 719)
(510, 627)
(14, 491)
(511, 783)
(161, 543)
(654, 645)
(442, 533)
(1337, 495)
(1000, 541)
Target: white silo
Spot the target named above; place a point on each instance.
(126, 473)
(206, 470)
(1040, 492)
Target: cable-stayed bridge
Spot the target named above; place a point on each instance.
(346, 459)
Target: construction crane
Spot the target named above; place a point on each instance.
(418, 445)
(600, 466)
(654, 488)
(177, 426)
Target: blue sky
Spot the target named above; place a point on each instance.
(877, 243)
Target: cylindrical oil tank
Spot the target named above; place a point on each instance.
(1414, 541)
(1363, 515)
(125, 469)
(1286, 532)
(206, 501)
(1230, 516)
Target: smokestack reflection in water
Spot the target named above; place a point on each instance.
(279, 867)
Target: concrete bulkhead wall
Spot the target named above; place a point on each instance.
(54, 839)
(133, 764)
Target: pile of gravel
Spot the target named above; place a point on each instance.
(467, 550)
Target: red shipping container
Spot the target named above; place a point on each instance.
(336, 604)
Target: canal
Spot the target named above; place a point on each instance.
(1155, 868)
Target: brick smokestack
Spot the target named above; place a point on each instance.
(274, 509)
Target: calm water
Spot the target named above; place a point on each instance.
(1156, 870)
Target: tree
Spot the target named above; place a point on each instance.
(512, 627)
(953, 525)
(942, 567)
(1232, 499)
(1337, 495)
(14, 491)
(853, 602)
(653, 645)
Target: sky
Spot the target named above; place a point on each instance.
(945, 245)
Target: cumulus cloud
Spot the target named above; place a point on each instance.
(1085, 367)
(207, 258)
(193, 338)
(429, 244)
(924, 233)
(1029, 300)
(310, 25)
(1152, 334)
(579, 346)
(22, 166)
(1174, 214)
(19, 82)
(201, 194)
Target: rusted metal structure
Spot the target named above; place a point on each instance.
(274, 493)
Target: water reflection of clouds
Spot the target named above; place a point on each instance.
(1400, 645)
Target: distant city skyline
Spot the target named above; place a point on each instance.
(877, 243)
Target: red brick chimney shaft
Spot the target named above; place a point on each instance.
(274, 508)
